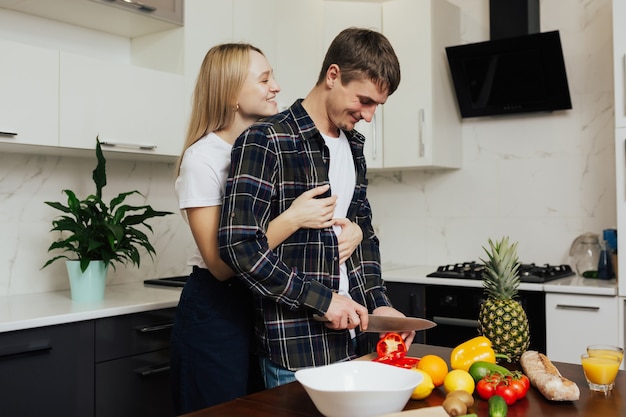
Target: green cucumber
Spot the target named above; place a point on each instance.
(480, 369)
(497, 406)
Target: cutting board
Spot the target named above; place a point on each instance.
(437, 411)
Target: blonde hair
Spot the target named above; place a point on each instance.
(221, 77)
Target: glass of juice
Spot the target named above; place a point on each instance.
(606, 350)
(600, 371)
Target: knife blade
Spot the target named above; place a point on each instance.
(380, 324)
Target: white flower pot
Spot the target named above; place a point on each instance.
(87, 286)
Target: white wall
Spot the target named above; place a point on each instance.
(542, 179)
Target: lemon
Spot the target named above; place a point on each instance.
(425, 387)
(458, 379)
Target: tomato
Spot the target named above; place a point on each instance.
(507, 392)
(485, 388)
(390, 343)
(519, 383)
(525, 381)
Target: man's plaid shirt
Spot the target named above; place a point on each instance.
(273, 162)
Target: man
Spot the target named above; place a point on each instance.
(305, 280)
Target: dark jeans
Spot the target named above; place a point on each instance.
(211, 339)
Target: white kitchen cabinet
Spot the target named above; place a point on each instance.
(419, 126)
(119, 17)
(131, 109)
(422, 126)
(574, 321)
(619, 62)
(339, 15)
(29, 90)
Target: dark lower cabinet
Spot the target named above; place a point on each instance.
(409, 299)
(111, 367)
(48, 371)
(138, 385)
(132, 365)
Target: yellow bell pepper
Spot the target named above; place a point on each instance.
(476, 349)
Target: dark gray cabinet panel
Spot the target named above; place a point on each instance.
(409, 299)
(132, 365)
(48, 371)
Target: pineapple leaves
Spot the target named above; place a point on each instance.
(91, 230)
(500, 277)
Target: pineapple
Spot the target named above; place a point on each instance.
(502, 319)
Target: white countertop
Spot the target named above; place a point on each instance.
(27, 311)
(19, 312)
(568, 285)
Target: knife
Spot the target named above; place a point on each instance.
(380, 324)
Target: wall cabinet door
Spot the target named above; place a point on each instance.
(419, 126)
(422, 125)
(575, 321)
(619, 61)
(339, 15)
(48, 371)
(131, 109)
(29, 91)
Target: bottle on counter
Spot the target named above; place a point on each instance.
(605, 264)
(610, 235)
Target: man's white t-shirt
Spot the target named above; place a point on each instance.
(342, 176)
(202, 179)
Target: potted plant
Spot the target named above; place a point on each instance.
(99, 235)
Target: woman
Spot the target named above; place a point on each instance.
(210, 351)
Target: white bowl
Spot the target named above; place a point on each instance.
(358, 388)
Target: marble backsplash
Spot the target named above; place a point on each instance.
(542, 179)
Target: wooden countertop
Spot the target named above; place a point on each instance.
(292, 400)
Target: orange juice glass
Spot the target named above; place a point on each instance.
(600, 371)
(606, 350)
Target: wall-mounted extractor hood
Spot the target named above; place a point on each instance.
(520, 70)
(120, 17)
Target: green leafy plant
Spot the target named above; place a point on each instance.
(97, 231)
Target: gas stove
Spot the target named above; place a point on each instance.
(527, 272)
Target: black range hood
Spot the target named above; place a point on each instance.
(520, 70)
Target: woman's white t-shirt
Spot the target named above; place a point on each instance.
(202, 179)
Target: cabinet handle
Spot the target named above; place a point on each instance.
(452, 321)
(139, 6)
(421, 120)
(142, 146)
(152, 370)
(24, 350)
(147, 328)
(574, 307)
(3, 133)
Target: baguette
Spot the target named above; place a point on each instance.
(544, 376)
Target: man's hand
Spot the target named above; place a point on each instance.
(345, 313)
(390, 311)
(349, 239)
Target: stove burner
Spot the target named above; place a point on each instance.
(527, 272)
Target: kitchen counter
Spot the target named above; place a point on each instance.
(18, 312)
(567, 285)
(292, 400)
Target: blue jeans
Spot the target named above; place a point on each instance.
(275, 375)
(211, 342)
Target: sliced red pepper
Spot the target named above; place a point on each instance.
(390, 343)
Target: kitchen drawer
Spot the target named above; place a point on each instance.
(133, 334)
(135, 386)
(47, 371)
(575, 321)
